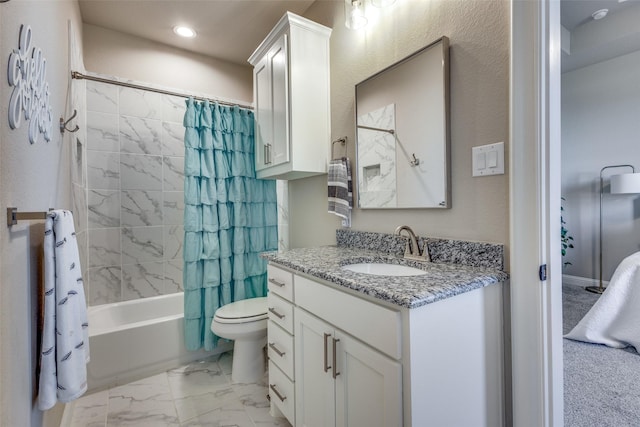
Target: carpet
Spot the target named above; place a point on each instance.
(601, 384)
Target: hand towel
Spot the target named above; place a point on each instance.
(614, 320)
(65, 340)
(340, 189)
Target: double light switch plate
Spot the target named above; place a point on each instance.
(488, 159)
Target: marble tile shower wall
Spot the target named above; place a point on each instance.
(77, 141)
(282, 191)
(135, 199)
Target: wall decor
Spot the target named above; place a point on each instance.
(27, 72)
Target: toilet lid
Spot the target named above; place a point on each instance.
(246, 310)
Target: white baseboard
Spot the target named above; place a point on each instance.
(581, 281)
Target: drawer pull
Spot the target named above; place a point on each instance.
(275, 282)
(326, 351)
(335, 372)
(276, 349)
(281, 397)
(275, 313)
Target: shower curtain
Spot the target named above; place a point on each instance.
(229, 217)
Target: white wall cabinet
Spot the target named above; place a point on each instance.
(291, 95)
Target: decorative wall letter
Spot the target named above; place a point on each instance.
(27, 74)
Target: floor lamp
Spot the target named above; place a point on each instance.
(628, 183)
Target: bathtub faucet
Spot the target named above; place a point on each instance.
(412, 250)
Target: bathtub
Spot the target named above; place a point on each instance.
(135, 339)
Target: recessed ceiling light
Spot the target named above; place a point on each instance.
(183, 31)
(599, 14)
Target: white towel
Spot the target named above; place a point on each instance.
(614, 320)
(340, 189)
(65, 340)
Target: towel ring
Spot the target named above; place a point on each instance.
(343, 142)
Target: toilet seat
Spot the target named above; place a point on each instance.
(243, 311)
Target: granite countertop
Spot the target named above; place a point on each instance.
(443, 280)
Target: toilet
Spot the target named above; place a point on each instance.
(245, 322)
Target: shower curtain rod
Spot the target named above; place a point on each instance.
(80, 76)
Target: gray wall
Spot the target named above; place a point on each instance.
(600, 127)
(478, 32)
(122, 55)
(32, 178)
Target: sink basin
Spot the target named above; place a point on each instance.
(383, 269)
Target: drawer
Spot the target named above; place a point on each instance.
(280, 282)
(280, 312)
(378, 326)
(280, 348)
(281, 391)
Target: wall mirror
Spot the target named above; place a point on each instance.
(402, 129)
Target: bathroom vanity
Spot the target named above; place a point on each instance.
(355, 349)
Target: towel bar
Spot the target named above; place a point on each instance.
(13, 216)
(391, 131)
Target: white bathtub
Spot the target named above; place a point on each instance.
(134, 339)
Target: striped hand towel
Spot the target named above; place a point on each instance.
(340, 189)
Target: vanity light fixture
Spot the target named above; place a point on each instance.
(382, 3)
(354, 14)
(183, 31)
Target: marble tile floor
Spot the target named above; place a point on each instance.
(199, 394)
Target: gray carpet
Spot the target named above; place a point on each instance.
(601, 384)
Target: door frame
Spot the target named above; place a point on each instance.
(536, 302)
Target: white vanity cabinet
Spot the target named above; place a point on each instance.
(358, 362)
(291, 95)
(280, 349)
(340, 381)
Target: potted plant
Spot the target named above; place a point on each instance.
(565, 238)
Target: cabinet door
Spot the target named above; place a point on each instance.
(368, 386)
(315, 398)
(263, 111)
(278, 151)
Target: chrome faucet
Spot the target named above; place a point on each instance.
(412, 250)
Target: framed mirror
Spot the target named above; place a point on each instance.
(402, 129)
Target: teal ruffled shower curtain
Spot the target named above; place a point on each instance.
(229, 216)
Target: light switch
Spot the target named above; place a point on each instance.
(492, 159)
(481, 160)
(488, 159)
